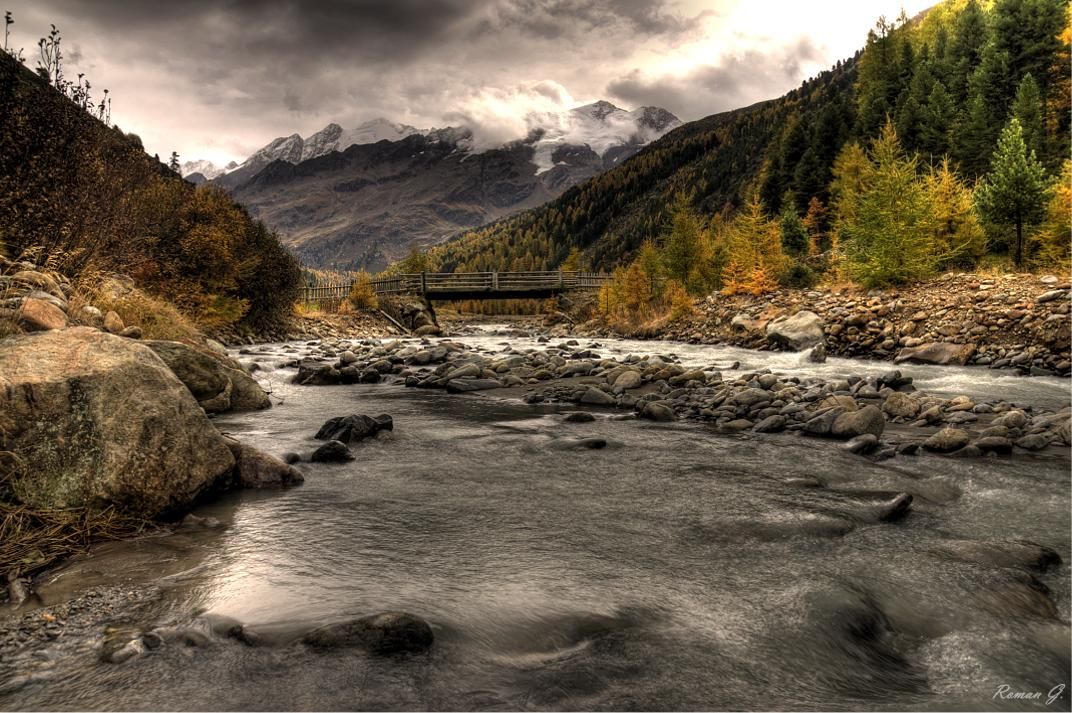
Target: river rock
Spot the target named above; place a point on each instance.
(658, 412)
(579, 417)
(597, 397)
(1012, 419)
(461, 386)
(313, 373)
(996, 444)
(864, 443)
(628, 379)
(771, 424)
(855, 423)
(899, 405)
(98, 420)
(821, 424)
(39, 315)
(1051, 296)
(947, 440)
(800, 331)
(332, 452)
(936, 353)
(352, 428)
(385, 634)
(256, 469)
(1033, 441)
(216, 381)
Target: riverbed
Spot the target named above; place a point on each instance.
(676, 568)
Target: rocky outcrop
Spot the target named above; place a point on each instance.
(217, 382)
(98, 420)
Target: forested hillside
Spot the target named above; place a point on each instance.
(899, 162)
(85, 198)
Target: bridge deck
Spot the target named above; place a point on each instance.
(470, 285)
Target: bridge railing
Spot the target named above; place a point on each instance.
(429, 283)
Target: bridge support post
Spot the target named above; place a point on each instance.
(561, 282)
(424, 283)
(495, 281)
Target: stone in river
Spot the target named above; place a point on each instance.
(579, 417)
(947, 440)
(771, 424)
(658, 412)
(797, 332)
(461, 386)
(354, 427)
(854, 423)
(936, 353)
(864, 443)
(332, 452)
(597, 397)
(384, 634)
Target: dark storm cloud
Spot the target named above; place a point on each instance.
(307, 33)
(370, 31)
(736, 81)
(224, 77)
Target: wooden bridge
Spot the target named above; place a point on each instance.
(469, 285)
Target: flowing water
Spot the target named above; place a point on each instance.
(677, 568)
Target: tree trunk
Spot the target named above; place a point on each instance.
(1018, 255)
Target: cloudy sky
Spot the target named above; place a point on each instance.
(218, 79)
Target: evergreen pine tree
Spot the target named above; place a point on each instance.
(1015, 191)
(937, 122)
(1027, 108)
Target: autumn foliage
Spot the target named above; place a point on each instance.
(85, 197)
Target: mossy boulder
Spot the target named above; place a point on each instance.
(96, 420)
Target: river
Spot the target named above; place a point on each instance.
(677, 568)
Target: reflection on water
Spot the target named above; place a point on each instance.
(676, 568)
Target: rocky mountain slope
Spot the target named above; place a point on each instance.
(359, 198)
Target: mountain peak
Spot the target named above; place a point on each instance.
(598, 110)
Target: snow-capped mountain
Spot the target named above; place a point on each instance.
(294, 149)
(600, 126)
(359, 198)
(206, 169)
(335, 138)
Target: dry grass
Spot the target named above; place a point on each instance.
(32, 538)
(158, 318)
(308, 309)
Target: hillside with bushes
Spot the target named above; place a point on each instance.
(85, 199)
(943, 144)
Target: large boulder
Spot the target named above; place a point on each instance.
(98, 420)
(797, 332)
(218, 383)
(936, 353)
